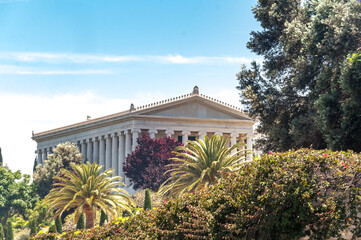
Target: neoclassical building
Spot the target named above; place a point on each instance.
(108, 140)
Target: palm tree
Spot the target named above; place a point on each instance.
(85, 189)
(201, 163)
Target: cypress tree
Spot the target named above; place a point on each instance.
(59, 225)
(80, 224)
(52, 229)
(147, 200)
(103, 217)
(35, 164)
(1, 158)
(33, 227)
(9, 231)
(1, 232)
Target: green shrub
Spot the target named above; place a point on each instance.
(103, 217)
(278, 196)
(58, 224)
(80, 224)
(147, 200)
(9, 231)
(2, 236)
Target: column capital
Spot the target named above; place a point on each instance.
(153, 130)
(186, 132)
(108, 136)
(112, 135)
(89, 140)
(219, 134)
(135, 130)
(169, 132)
(234, 134)
(202, 133)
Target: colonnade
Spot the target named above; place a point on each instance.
(111, 149)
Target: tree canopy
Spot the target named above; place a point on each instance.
(200, 164)
(16, 194)
(303, 95)
(63, 155)
(86, 189)
(146, 166)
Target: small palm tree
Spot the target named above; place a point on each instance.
(201, 163)
(85, 189)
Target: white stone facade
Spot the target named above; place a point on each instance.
(108, 140)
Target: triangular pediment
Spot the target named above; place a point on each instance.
(196, 109)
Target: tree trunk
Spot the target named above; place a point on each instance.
(89, 217)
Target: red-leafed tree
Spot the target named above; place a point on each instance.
(146, 166)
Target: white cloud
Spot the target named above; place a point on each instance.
(20, 114)
(86, 58)
(10, 69)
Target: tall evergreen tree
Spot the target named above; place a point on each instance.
(34, 165)
(59, 225)
(2, 236)
(1, 158)
(80, 224)
(33, 226)
(147, 200)
(103, 218)
(297, 95)
(9, 231)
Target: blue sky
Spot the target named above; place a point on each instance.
(63, 60)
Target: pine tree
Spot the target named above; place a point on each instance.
(147, 200)
(59, 225)
(80, 224)
(1, 158)
(2, 236)
(52, 229)
(9, 231)
(33, 227)
(103, 217)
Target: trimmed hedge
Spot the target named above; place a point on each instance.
(278, 196)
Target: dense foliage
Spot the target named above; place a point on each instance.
(63, 155)
(2, 235)
(86, 189)
(279, 196)
(17, 195)
(59, 225)
(146, 166)
(201, 163)
(305, 93)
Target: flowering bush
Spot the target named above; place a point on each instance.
(278, 196)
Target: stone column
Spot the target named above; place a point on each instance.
(101, 151)
(249, 145)
(169, 132)
(234, 140)
(115, 153)
(135, 135)
(108, 154)
(83, 150)
(45, 157)
(128, 144)
(185, 134)
(202, 134)
(89, 149)
(96, 150)
(121, 154)
(218, 134)
(40, 159)
(152, 133)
